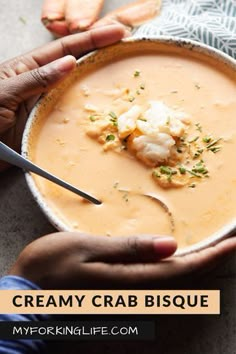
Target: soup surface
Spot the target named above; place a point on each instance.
(197, 184)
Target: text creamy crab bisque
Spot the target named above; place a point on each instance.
(160, 123)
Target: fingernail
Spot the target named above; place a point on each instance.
(164, 246)
(65, 64)
(60, 67)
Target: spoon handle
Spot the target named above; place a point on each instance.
(12, 157)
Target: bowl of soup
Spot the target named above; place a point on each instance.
(148, 127)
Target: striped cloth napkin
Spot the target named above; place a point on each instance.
(210, 21)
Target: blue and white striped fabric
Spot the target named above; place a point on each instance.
(212, 22)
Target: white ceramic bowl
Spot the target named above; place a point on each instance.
(126, 46)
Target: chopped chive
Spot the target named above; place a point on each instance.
(136, 73)
(112, 115)
(206, 139)
(125, 197)
(194, 139)
(182, 170)
(214, 142)
(138, 92)
(200, 163)
(193, 173)
(179, 150)
(215, 149)
(131, 99)
(113, 119)
(196, 155)
(110, 137)
(142, 119)
(193, 185)
(92, 118)
(200, 169)
(198, 127)
(142, 86)
(115, 185)
(168, 171)
(197, 86)
(165, 170)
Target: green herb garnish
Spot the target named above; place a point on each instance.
(92, 118)
(142, 119)
(112, 115)
(194, 139)
(191, 172)
(182, 170)
(136, 73)
(215, 149)
(167, 171)
(125, 197)
(110, 137)
(198, 127)
(115, 185)
(214, 142)
(113, 119)
(206, 139)
(200, 169)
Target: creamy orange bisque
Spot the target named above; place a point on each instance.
(158, 123)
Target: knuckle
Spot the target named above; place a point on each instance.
(40, 77)
(65, 48)
(133, 245)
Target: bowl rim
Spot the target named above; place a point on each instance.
(210, 241)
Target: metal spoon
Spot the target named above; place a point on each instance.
(12, 157)
(157, 200)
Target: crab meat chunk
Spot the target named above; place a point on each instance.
(161, 118)
(127, 121)
(153, 150)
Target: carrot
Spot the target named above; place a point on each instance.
(132, 15)
(53, 17)
(81, 14)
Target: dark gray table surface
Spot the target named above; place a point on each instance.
(22, 222)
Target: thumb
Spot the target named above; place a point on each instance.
(39, 80)
(133, 249)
